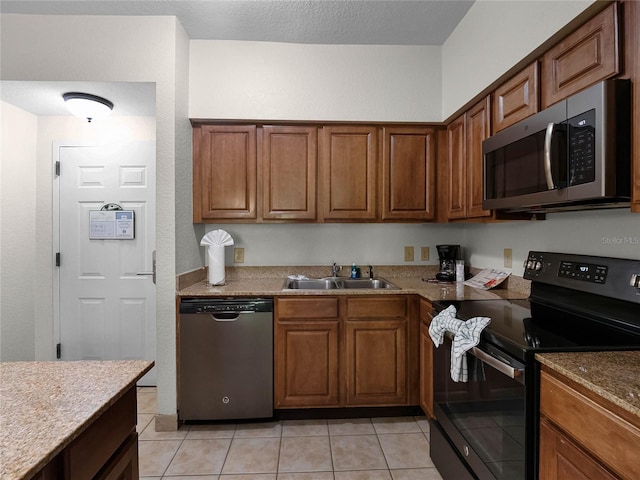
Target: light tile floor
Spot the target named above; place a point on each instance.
(353, 449)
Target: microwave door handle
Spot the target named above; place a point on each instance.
(547, 156)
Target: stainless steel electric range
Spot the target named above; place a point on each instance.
(487, 427)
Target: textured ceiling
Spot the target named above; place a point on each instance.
(369, 22)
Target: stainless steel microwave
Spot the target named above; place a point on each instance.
(574, 155)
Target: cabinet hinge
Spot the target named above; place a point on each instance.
(58, 168)
(58, 351)
(57, 259)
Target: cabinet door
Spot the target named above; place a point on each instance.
(426, 359)
(306, 364)
(224, 173)
(516, 99)
(478, 129)
(561, 459)
(456, 181)
(408, 174)
(376, 361)
(585, 57)
(376, 351)
(348, 173)
(289, 169)
(124, 465)
(306, 345)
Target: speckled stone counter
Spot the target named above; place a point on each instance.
(269, 281)
(614, 376)
(44, 406)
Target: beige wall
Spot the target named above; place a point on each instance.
(493, 37)
(18, 273)
(273, 81)
(112, 48)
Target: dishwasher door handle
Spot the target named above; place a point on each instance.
(227, 316)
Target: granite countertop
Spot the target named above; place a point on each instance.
(44, 406)
(268, 282)
(614, 376)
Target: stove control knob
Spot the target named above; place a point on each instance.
(635, 280)
(538, 266)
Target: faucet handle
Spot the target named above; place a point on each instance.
(371, 272)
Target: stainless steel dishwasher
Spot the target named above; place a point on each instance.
(225, 368)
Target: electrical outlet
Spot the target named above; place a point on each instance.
(238, 255)
(508, 258)
(408, 254)
(424, 254)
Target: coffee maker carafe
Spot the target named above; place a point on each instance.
(448, 254)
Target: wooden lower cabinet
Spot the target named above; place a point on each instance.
(106, 450)
(343, 351)
(562, 459)
(376, 362)
(426, 359)
(582, 435)
(306, 365)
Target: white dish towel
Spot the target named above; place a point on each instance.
(466, 335)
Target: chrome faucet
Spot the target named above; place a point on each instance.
(335, 269)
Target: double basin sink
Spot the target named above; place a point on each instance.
(336, 283)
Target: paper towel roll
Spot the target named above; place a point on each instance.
(216, 264)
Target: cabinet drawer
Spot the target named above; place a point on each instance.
(372, 307)
(601, 432)
(92, 449)
(325, 307)
(426, 311)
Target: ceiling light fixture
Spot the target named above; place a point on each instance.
(85, 105)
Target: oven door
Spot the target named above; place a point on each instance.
(484, 418)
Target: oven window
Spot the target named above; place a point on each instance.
(487, 412)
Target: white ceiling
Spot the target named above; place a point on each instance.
(369, 22)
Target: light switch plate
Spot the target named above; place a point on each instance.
(424, 254)
(508, 258)
(408, 254)
(238, 255)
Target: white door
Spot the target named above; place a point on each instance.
(106, 298)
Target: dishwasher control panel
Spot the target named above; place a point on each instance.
(224, 305)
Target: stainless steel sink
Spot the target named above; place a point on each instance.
(333, 283)
(311, 284)
(371, 283)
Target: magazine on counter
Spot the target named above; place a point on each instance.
(487, 279)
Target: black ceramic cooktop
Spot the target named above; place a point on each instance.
(522, 327)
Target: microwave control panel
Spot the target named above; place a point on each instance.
(582, 148)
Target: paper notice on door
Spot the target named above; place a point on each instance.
(111, 225)
(487, 279)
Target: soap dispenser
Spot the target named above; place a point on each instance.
(354, 270)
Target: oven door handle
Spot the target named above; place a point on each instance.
(492, 361)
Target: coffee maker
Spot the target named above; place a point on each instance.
(447, 254)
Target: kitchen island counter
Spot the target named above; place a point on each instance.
(45, 406)
(611, 375)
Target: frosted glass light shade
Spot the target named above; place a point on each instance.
(85, 105)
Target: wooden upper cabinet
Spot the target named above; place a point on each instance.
(408, 173)
(585, 57)
(224, 172)
(516, 99)
(456, 181)
(289, 168)
(464, 180)
(348, 164)
(478, 127)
